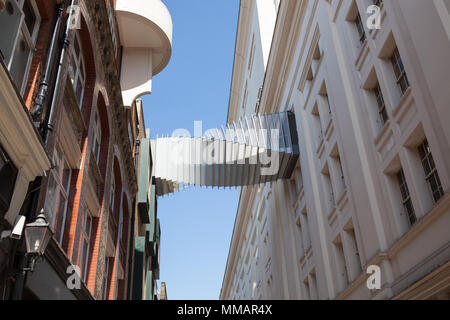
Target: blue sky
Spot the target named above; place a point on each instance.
(196, 224)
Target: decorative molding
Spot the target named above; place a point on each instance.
(98, 12)
(17, 134)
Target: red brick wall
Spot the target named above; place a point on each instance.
(48, 16)
(95, 96)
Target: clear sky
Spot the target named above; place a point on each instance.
(196, 225)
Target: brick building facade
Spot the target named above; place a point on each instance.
(71, 91)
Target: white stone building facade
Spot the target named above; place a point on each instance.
(372, 184)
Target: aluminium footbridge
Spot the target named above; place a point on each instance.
(254, 150)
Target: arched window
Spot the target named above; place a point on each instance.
(77, 71)
(97, 136)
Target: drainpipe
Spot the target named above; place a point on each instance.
(42, 95)
(50, 124)
(35, 187)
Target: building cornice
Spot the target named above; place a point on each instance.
(290, 17)
(240, 54)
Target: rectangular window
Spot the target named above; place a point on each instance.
(58, 193)
(399, 70)
(77, 71)
(105, 286)
(329, 192)
(300, 236)
(406, 198)
(341, 172)
(19, 22)
(112, 26)
(97, 138)
(313, 286)
(341, 267)
(86, 228)
(360, 27)
(112, 193)
(8, 176)
(431, 174)
(306, 230)
(317, 124)
(383, 116)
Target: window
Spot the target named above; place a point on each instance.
(339, 255)
(77, 71)
(105, 286)
(313, 285)
(352, 253)
(112, 193)
(130, 136)
(431, 174)
(19, 22)
(317, 124)
(298, 177)
(58, 193)
(377, 2)
(328, 189)
(300, 235)
(383, 116)
(97, 137)
(399, 70)
(8, 176)
(244, 100)
(112, 26)
(86, 229)
(337, 172)
(341, 171)
(360, 27)
(305, 229)
(306, 289)
(324, 106)
(406, 197)
(251, 55)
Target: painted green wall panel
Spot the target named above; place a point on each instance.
(144, 179)
(139, 264)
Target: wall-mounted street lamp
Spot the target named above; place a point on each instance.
(37, 236)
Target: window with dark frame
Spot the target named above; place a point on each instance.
(383, 115)
(77, 71)
(8, 177)
(406, 197)
(399, 70)
(86, 230)
(19, 22)
(431, 174)
(58, 193)
(360, 27)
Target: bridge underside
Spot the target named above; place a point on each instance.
(251, 151)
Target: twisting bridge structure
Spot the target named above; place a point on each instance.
(254, 150)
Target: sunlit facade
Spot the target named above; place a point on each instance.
(371, 187)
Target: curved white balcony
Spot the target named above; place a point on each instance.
(145, 29)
